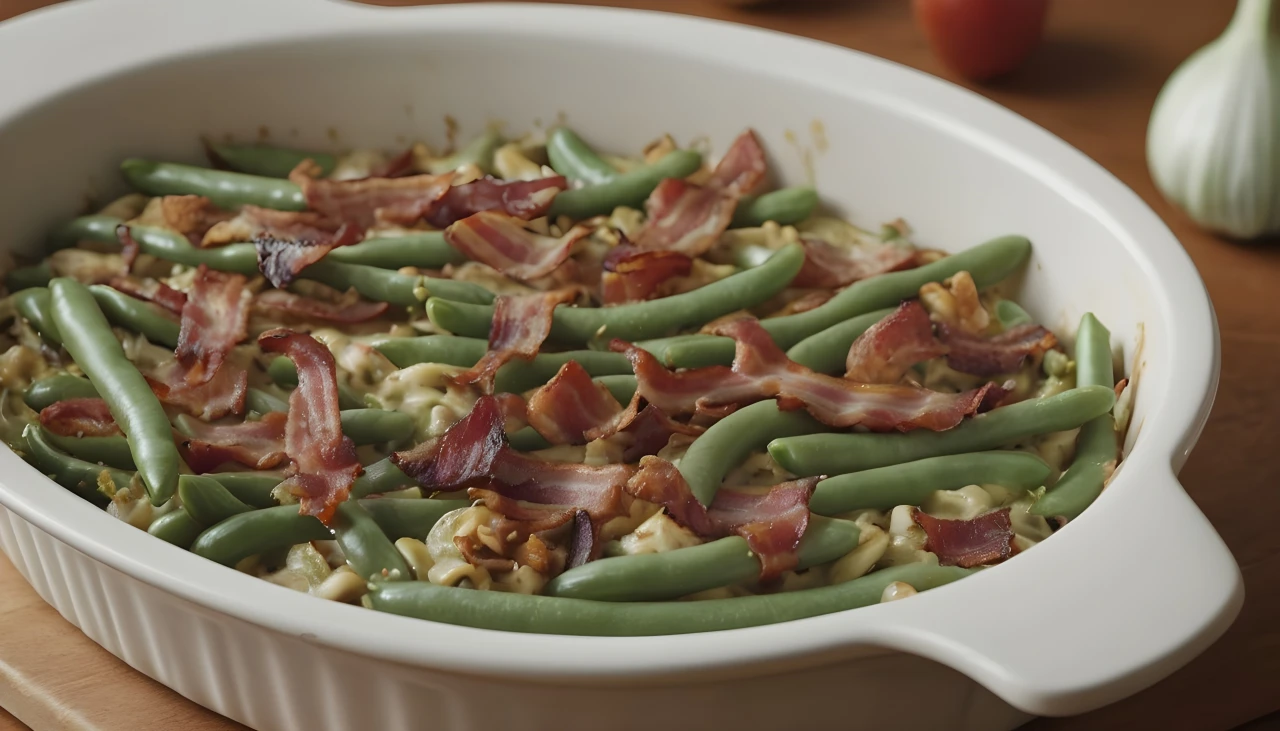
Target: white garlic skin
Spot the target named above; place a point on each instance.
(1213, 144)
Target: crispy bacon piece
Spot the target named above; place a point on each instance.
(679, 392)
(520, 323)
(570, 405)
(324, 460)
(686, 218)
(129, 248)
(889, 348)
(224, 394)
(631, 275)
(986, 539)
(990, 356)
(772, 523)
(362, 203)
(827, 266)
(151, 290)
(214, 319)
(503, 242)
(651, 430)
(348, 311)
(80, 417)
(523, 199)
(282, 259)
(255, 444)
(743, 166)
(464, 455)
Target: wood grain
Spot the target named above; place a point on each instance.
(1093, 83)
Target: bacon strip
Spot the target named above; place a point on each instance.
(288, 303)
(631, 275)
(362, 203)
(889, 348)
(772, 523)
(214, 319)
(503, 242)
(686, 218)
(151, 290)
(80, 417)
(570, 405)
(523, 199)
(743, 166)
(224, 394)
(1002, 353)
(986, 539)
(520, 323)
(651, 430)
(324, 460)
(761, 370)
(827, 266)
(256, 444)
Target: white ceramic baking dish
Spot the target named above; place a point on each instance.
(1118, 599)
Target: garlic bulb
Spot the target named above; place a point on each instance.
(1213, 143)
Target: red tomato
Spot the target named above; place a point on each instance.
(981, 39)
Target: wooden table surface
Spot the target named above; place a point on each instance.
(1093, 83)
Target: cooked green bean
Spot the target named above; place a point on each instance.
(37, 275)
(365, 546)
(642, 320)
(264, 403)
(627, 189)
(1098, 446)
(838, 454)
(177, 528)
(174, 247)
(207, 501)
(622, 387)
(269, 529)
(1010, 314)
(729, 441)
(267, 160)
(784, 207)
(379, 477)
(828, 351)
(253, 488)
(384, 285)
(573, 158)
(425, 249)
(479, 152)
(690, 351)
(76, 475)
(152, 321)
(88, 338)
(555, 615)
(86, 228)
(284, 373)
(224, 189)
(363, 426)
(447, 349)
(109, 451)
(33, 305)
(649, 577)
(884, 488)
(60, 387)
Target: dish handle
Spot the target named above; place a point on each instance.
(1081, 628)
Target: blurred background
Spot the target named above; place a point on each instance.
(1086, 70)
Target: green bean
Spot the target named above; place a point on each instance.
(622, 387)
(1010, 314)
(86, 228)
(177, 528)
(910, 483)
(267, 160)
(556, 615)
(60, 387)
(651, 577)
(627, 189)
(269, 529)
(381, 476)
(784, 207)
(109, 451)
(988, 263)
(1097, 446)
(172, 246)
(382, 285)
(642, 320)
(364, 426)
(264, 403)
(425, 249)
(365, 546)
(838, 454)
(76, 475)
(284, 373)
(515, 376)
(253, 488)
(207, 501)
(573, 158)
(828, 351)
(88, 338)
(479, 152)
(224, 189)
(729, 441)
(690, 351)
(152, 321)
(37, 275)
(447, 349)
(33, 305)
